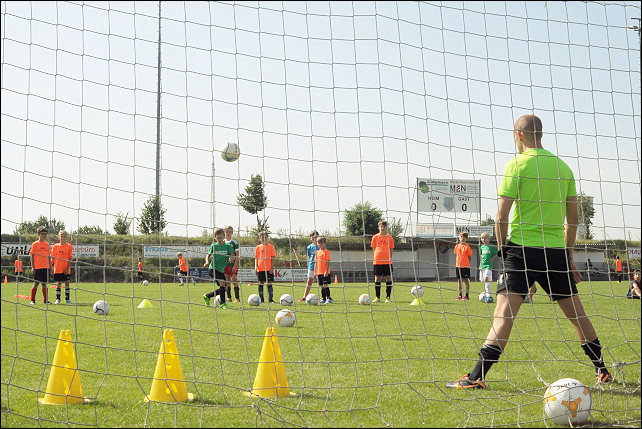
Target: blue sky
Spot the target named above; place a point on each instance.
(333, 103)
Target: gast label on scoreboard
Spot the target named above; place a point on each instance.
(445, 195)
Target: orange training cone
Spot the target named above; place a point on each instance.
(336, 281)
(64, 386)
(169, 384)
(270, 380)
(5, 279)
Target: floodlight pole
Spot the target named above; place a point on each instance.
(158, 108)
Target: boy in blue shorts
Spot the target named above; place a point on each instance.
(311, 251)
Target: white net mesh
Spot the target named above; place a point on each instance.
(333, 105)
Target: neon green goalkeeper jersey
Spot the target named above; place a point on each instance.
(539, 182)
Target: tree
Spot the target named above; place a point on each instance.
(30, 227)
(488, 221)
(152, 218)
(586, 212)
(121, 224)
(395, 228)
(362, 216)
(86, 230)
(254, 200)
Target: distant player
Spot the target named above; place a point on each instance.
(17, 264)
(463, 253)
(634, 288)
(322, 270)
(488, 253)
(264, 255)
(140, 270)
(540, 248)
(61, 256)
(311, 252)
(382, 244)
(40, 255)
(183, 270)
(618, 269)
(217, 258)
(232, 268)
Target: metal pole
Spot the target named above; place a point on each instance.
(158, 108)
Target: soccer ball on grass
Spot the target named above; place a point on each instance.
(485, 297)
(312, 299)
(417, 291)
(286, 299)
(145, 283)
(101, 307)
(364, 299)
(285, 318)
(254, 300)
(567, 402)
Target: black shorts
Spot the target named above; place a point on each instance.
(61, 277)
(548, 267)
(323, 280)
(463, 272)
(41, 275)
(139, 275)
(182, 273)
(382, 269)
(265, 275)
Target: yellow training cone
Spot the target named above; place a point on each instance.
(64, 386)
(169, 384)
(416, 301)
(270, 381)
(145, 304)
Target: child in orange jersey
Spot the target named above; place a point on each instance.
(40, 255)
(263, 263)
(463, 252)
(183, 270)
(139, 276)
(61, 256)
(18, 268)
(382, 243)
(322, 270)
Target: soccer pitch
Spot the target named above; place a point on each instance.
(350, 365)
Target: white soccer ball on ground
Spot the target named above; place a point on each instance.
(101, 307)
(286, 299)
(312, 299)
(417, 291)
(217, 300)
(482, 297)
(364, 299)
(567, 402)
(145, 283)
(254, 299)
(230, 152)
(285, 318)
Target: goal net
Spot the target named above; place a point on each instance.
(115, 117)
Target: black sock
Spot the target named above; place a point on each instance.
(327, 293)
(237, 292)
(388, 289)
(270, 293)
(221, 292)
(67, 290)
(378, 289)
(488, 355)
(261, 292)
(229, 292)
(593, 350)
(58, 293)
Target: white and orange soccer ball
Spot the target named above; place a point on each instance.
(285, 318)
(567, 402)
(364, 299)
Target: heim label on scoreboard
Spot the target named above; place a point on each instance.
(444, 195)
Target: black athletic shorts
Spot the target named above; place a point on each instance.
(183, 273)
(323, 280)
(265, 275)
(522, 266)
(463, 272)
(61, 277)
(139, 275)
(382, 269)
(41, 275)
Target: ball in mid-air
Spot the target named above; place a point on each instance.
(230, 152)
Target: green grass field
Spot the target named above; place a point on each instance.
(350, 365)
